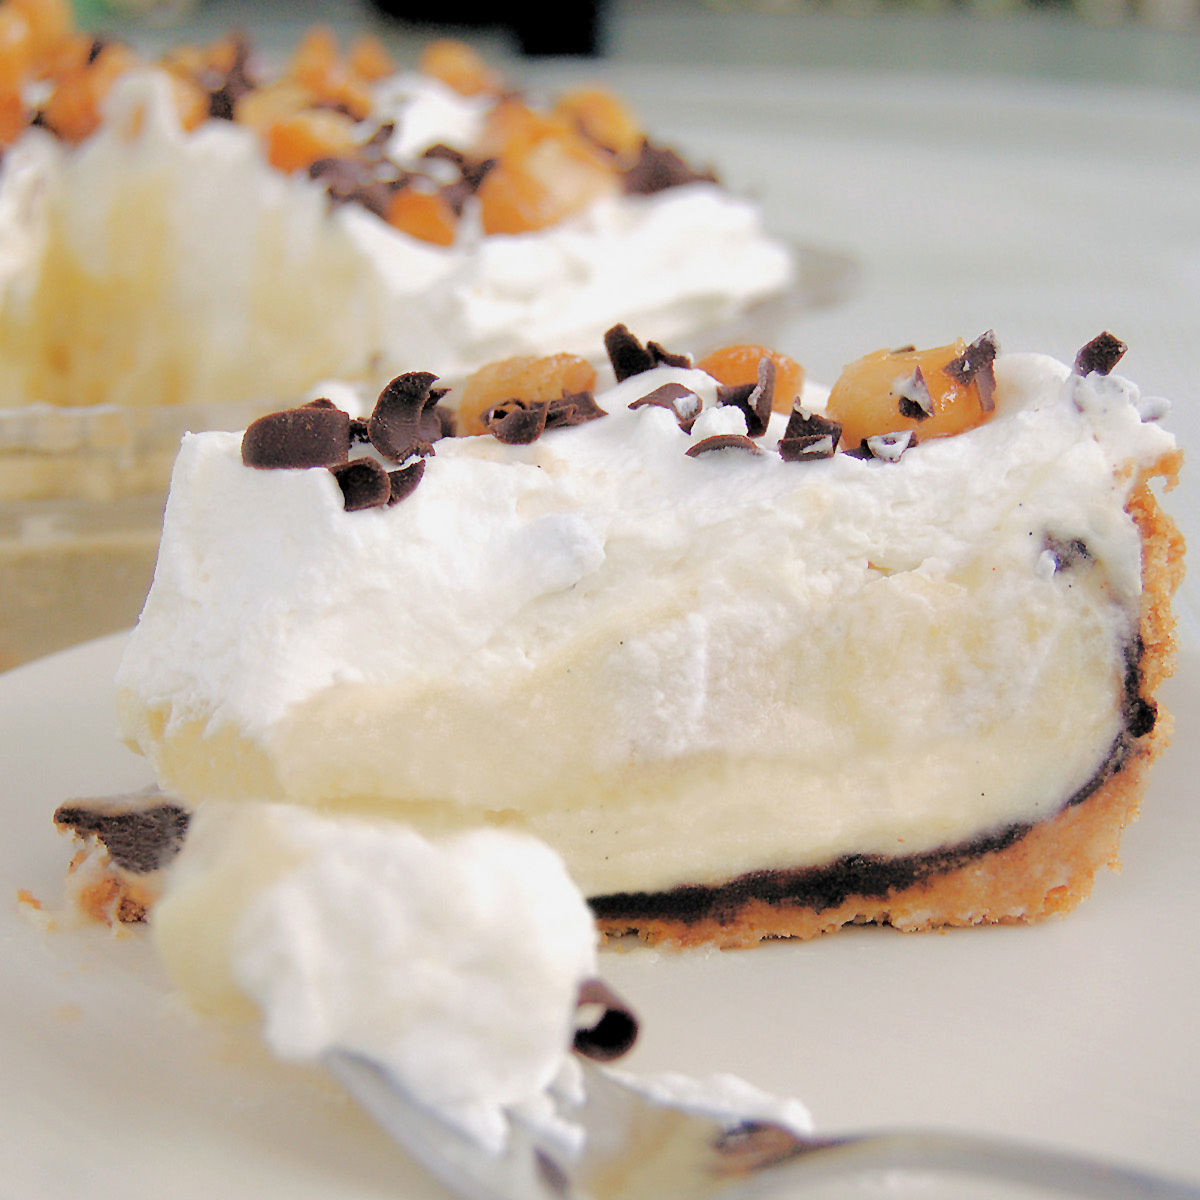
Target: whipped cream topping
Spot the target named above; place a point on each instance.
(234, 282)
(455, 963)
(596, 633)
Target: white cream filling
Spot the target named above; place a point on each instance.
(672, 669)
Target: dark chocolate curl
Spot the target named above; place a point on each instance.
(975, 365)
(395, 427)
(754, 399)
(1100, 355)
(403, 482)
(572, 408)
(364, 483)
(616, 1030)
(317, 435)
(723, 441)
(659, 168)
(514, 423)
(682, 401)
(809, 436)
(627, 355)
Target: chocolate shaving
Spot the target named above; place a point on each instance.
(398, 427)
(403, 482)
(514, 423)
(359, 181)
(629, 357)
(975, 365)
(682, 401)
(888, 447)
(723, 441)
(809, 436)
(225, 90)
(915, 401)
(315, 435)
(1100, 355)
(667, 358)
(364, 483)
(572, 408)
(616, 1030)
(657, 169)
(754, 399)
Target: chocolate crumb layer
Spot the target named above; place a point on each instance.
(1100, 355)
(138, 839)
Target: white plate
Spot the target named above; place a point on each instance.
(1080, 1032)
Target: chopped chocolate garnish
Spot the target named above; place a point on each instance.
(754, 399)
(398, 428)
(1100, 355)
(723, 441)
(808, 436)
(1066, 552)
(659, 168)
(572, 408)
(975, 365)
(627, 355)
(888, 447)
(915, 401)
(360, 429)
(364, 483)
(141, 832)
(403, 481)
(311, 436)
(356, 180)
(514, 423)
(224, 91)
(682, 401)
(613, 1032)
(668, 358)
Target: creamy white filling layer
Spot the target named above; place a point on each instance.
(672, 669)
(156, 267)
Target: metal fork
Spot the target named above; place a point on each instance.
(639, 1149)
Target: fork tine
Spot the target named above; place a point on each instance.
(462, 1164)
